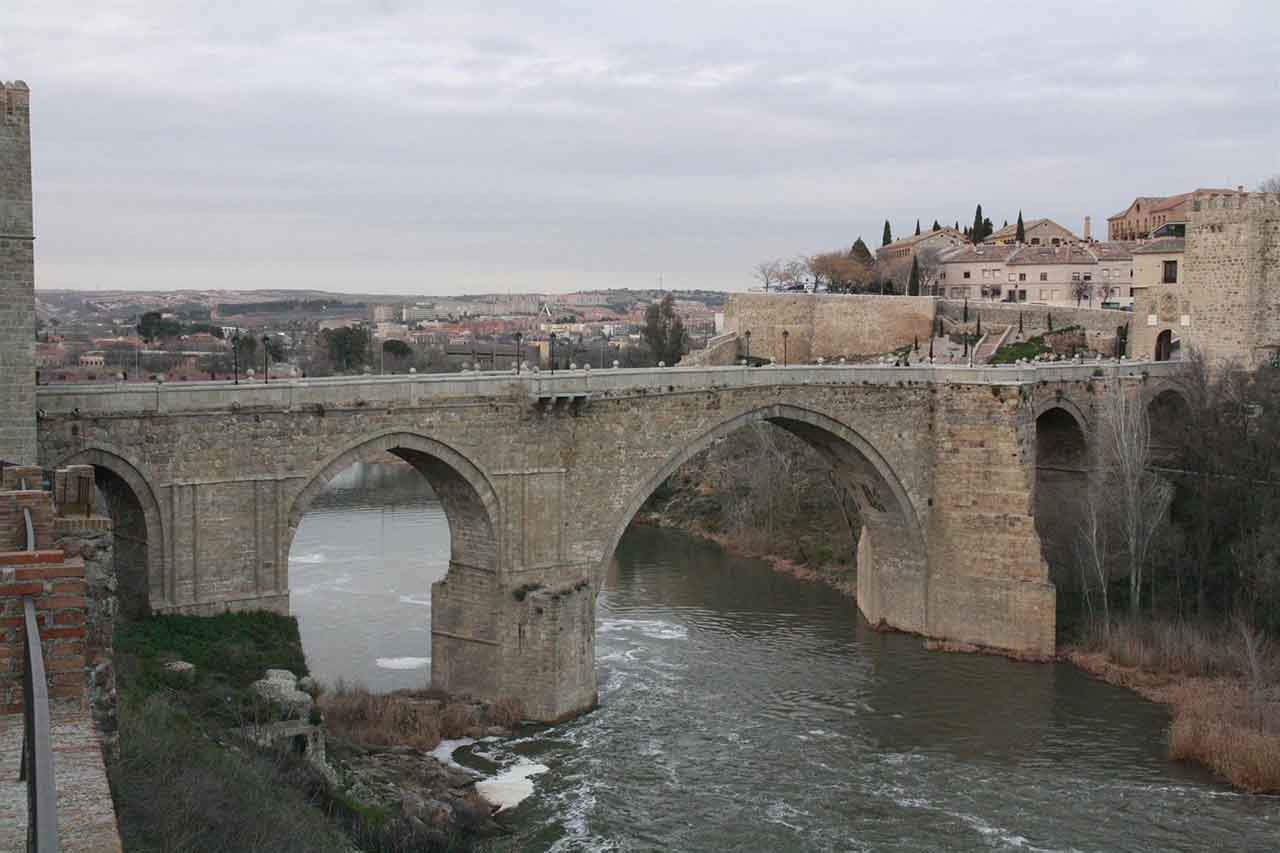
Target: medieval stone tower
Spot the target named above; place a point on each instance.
(17, 278)
(1233, 275)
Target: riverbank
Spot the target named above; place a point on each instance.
(1218, 684)
(213, 756)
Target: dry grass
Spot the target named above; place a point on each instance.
(1219, 682)
(1232, 730)
(381, 719)
(416, 718)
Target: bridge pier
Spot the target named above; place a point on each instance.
(531, 642)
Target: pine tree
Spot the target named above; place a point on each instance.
(936, 226)
(913, 282)
(917, 227)
(1021, 235)
(975, 233)
(888, 235)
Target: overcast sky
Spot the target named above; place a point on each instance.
(437, 148)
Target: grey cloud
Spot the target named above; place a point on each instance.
(541, 145)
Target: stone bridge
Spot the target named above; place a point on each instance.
(540, 474)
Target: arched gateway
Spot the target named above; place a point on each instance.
(540, 475)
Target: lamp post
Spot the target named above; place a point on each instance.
(235, 356)
(519, 337)
(553, 353)
(785, 334)
(266, 360)
(747, 335)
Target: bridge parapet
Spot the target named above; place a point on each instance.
(382, 391)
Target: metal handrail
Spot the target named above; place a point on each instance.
(37, 752)
(31, 529)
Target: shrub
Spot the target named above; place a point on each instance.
(456, 720)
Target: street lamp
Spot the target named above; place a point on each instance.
(785, 334)
(519, 337)
(747, 335)
(266, 360)
(235, 356)
(553, 353)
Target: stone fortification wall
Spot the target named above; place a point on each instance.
(1232, 276)
(17, 279)
(827, 326)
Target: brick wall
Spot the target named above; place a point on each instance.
(57, 585)
(17, 279)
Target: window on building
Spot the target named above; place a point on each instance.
(1011, 277)
(1035, 241)
(1088, 276)
(966, 274)
(1056, 241)
(1022, 296)
(1170, 272)
(1131, 291)
(1022, 276)
(1075, 276)
(1044, 276)
(1106, 273)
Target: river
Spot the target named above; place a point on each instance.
(744, 710)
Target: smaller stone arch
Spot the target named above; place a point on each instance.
(468, 498)
(138, 527)
(1063, 460)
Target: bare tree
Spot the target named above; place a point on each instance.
(1082, 290)
(1139, 499)
(768, 273)
(1092, 548)
(929, 262)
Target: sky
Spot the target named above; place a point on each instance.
(445, 147)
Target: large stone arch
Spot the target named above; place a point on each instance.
(138, 529)
(466, 494)
(893, 574)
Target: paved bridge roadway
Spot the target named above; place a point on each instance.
(540, 474)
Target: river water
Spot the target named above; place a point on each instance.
(745, 710)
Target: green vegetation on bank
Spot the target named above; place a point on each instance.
(185, 780)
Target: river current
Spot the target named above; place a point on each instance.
(744, 710)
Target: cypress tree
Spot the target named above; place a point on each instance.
(957, 226)
(888, 235)
(987, 229)
(913, 282)
(1021, 236)
(936, 226)
(917, 227)
(975, 233)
